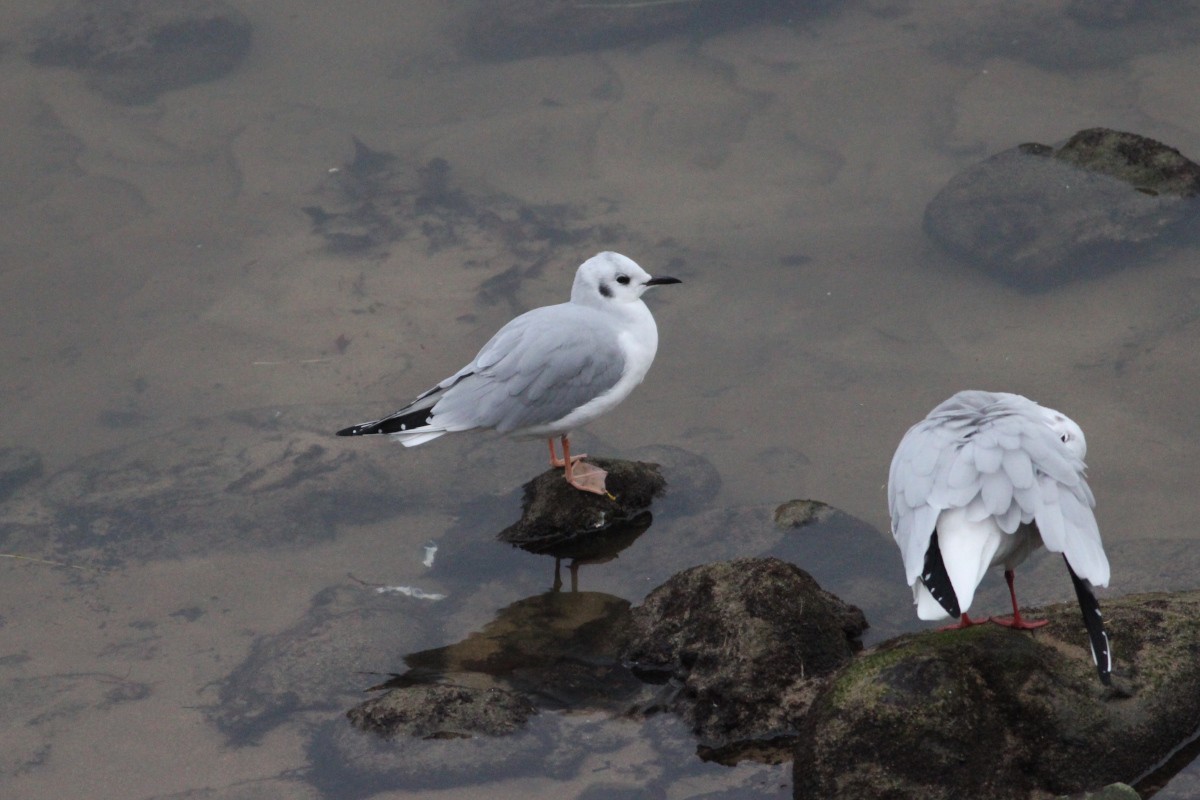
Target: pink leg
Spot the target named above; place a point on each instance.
(964, 621)
(1016, 620)
(555, 461)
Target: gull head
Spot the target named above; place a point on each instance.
(611, 278)
(1067, 431)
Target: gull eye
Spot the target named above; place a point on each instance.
(1066, 437)
(623, 280)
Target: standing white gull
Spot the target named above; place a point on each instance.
(547, 372)
(984, 480)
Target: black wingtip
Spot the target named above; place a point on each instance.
(1093, 620)
(937, 580)
(359, 430)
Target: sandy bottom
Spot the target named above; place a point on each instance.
(163, 286)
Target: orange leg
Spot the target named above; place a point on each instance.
(1016, 620)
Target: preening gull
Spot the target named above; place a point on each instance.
(547, 372)
(983, 481)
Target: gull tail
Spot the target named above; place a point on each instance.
(1094, 622)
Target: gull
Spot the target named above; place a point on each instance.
(983, 481)
(547, 372)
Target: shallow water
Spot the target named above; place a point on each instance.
(179, 342)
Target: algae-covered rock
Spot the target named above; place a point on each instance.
(992, 712)
(560, 520)
(1036, 216)
(741, 646)
(798, 513)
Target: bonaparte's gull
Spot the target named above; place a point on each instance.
(985, 479)
(547, 372)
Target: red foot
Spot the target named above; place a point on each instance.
(1016, 621)
(963, 622)
(1019, 623)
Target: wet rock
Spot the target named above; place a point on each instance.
(134, 50)
(508, 29)
(1036, 216)
(992, 712)
(564, 522)
(18, 466)
(442, 712)
(741, 647)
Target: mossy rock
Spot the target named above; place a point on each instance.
(992, 712)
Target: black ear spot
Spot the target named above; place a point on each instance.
(605, 291)
(623, 280)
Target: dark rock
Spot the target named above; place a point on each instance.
(134, 50)
(18, 466)
(508, 29)
(743, 645)
(442, 712)
(560, 520)
(992, 712)
(1037, 216)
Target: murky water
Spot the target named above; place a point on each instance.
(180, 339)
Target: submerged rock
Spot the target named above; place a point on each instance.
(560, 520)
(18, 466)
(349, 762)
(561, 650)
(1036, 215)
(992, 712)
(442, 712)
(742, 646)
(508, 29)
(134, 50)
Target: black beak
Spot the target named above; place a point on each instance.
(661, 281)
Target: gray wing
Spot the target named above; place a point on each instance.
(534, 371)
(993, 455)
